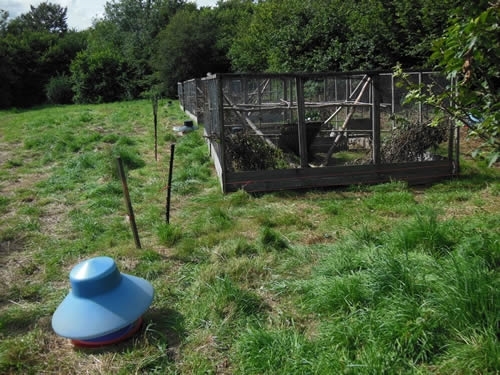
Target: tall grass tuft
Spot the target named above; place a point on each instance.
(243, 247)
(468, 292)
(367, 236)
(129, 156)
(271, 239)
(169, 234)
(333, 295)
(261, 351)
(220, 299)
(219, 219)
(474, 352)
(4, 203)
(239, 198)
(397, 274)
(425, 233)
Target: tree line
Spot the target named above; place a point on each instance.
(140, 47)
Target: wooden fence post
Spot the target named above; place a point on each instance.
(128, 203)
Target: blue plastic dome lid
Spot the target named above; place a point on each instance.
(101, 301)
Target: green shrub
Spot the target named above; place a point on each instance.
(59, 90)
(245, 152)
(100, 76)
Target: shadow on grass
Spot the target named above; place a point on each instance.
(161, 327)
(167, 325)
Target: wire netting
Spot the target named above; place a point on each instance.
(282, 121)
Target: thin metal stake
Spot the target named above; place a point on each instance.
(129, 203)
(155, 115)
(169, 186)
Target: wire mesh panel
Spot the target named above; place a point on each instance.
(191, 96)
(257, 111)
(412, 138)
(213, 120)
(341, 106)
(291, 122)
(180, 93)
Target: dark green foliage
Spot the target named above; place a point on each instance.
(59, 90)
(46, 17)
(35, 47)
(129, 29)
(467, 53)
(4, 15)
(143, 46)
(247, 152)
(99, 77)
(324, 35)
(25, 67)
(413, 142)
(187, 48)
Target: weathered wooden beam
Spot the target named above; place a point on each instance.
(376, 119)
(300, 178)
(288, 105)
(301, 114)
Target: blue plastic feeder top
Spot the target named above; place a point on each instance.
(101, 301)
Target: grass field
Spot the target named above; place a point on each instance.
(384, 279)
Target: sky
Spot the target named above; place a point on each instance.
(80, 12)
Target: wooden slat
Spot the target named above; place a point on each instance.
(301, 178)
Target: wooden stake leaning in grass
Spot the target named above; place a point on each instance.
(155, 116)
(170, 169)
(128, 203)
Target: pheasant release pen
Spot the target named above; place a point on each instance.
(270, 132)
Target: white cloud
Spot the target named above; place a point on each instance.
(206, 3)
(81, 13)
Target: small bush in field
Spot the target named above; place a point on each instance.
(59, 90)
